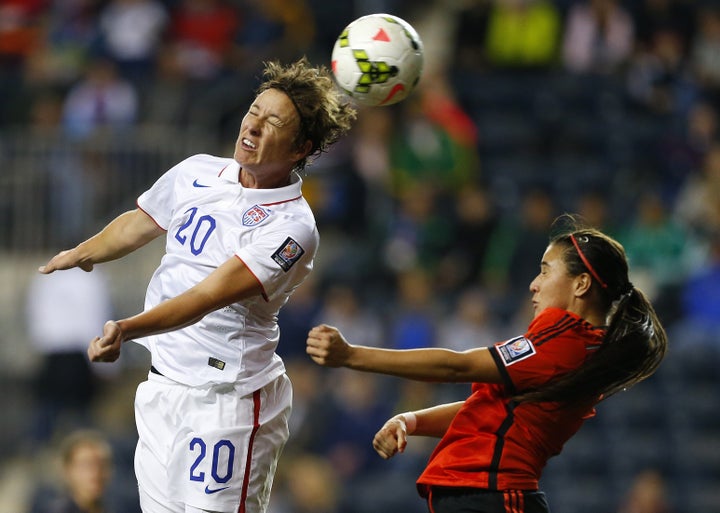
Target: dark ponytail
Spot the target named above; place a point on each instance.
(635, 341)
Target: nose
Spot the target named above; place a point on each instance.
(533, 286)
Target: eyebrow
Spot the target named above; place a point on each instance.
(270, 115)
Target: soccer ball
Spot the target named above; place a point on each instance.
(378, 59)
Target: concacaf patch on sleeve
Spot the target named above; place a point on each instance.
(288, 253)
(515, 349)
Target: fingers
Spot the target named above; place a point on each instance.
(107, 347)
(64, 260)
(391, 439)
(319, 344)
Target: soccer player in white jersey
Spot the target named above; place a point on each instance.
(212, 417)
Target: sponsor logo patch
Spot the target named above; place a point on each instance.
(516, 349)
(198, 184)
(254, 215)
(214, 362)
(287, 254)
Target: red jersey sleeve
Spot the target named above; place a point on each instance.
(556, 342)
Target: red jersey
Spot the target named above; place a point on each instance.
(497, 444)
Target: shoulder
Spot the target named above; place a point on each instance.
(204, 160)
(556, 323)
(552, 322)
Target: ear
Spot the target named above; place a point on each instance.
(583, 282)
(304, 150)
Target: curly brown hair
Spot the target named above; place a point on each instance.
(325, 115)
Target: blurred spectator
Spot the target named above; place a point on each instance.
(68, 190)
(680, 153)
(592, 206)
(306, 483)
(523, 34)
(71, 35)
(203, 33)
(698, 201)
(419, 233)
(656, 245)
(21, 33)
(647, 494)
(507, 272)
(598, 37)
(471, 19)
(358, 410)
(701, 301)
(87, 467)
(414, 316)
(101, 100)
(345, 309)
(371, 147)
(64, 383)
(274, 29)
(705, 52)
(435, 142)
(166, 98)
(659, 79)
(297, 317)
(653, 16)
(474, 219)
(470, 325)
(131, 33)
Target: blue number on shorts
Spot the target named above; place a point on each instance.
(230, 457)
(200, 476)
(206, 222)
(196, 475)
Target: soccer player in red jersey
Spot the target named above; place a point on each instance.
(593, 334)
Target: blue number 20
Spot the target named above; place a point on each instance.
(199, 443)
(203, 228)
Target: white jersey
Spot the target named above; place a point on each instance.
(210, 217)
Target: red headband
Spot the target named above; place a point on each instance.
(587, 263)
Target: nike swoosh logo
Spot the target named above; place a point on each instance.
(197, 184)
(209, 490)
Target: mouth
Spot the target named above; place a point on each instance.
(248, 144)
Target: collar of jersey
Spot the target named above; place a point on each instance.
(231, 173)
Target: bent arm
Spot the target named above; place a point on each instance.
(434, 421)
(229, 283)
(123, 235)
(326, 346)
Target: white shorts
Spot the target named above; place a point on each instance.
(207, 448)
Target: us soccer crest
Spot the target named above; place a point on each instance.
(254, 216)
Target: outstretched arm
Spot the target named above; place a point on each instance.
(392, 437)
(123, 235)
(327, 346)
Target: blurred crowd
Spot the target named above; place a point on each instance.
(433, 213)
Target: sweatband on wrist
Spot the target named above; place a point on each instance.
(410, 422)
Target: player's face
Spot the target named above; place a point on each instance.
(264, 146)
(553, 286)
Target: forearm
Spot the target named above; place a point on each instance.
(432, 421)
(432, 364)
(123, 235)
(229, 283)
(172, 314)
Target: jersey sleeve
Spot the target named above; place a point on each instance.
(281, 258)
(158, 201)
(553, 345)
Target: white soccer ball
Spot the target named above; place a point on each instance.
(378, 59)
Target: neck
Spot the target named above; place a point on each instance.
(252, 181)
